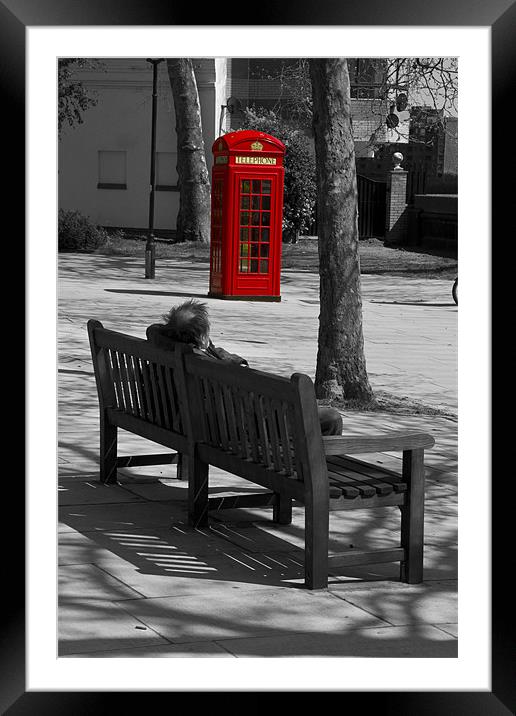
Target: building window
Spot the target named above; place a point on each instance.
(112, 170)
(166, 171)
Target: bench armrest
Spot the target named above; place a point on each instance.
(354, 444)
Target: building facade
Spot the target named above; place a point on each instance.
(104, 162)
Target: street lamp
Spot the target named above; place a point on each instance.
(150, 248)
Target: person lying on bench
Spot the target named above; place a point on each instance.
(189, 323)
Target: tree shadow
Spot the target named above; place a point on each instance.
(451, 304)
(140, 292)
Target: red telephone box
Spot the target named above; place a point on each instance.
(246, 216)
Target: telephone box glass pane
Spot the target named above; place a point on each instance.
(244, 218)
(254, 266)
(254, 249)
(256, 202)
(256, 186)
(264, 250)
(266, 218)
(266, 186)
(265, 235)
(256, 218)
(266, 202)
(264, 266)
(245, 186)
(244, 234)
(244, 266)
(255, 234)
(244, 202)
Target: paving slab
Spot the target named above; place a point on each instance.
(452, 629)
(77, 548)
(128, 515)
(252, 613)
(440, 562)
(86, 492)
(88, 581)
(419, 641)
(400, 604)
(92, 625)
(203, 650)
(231, 572)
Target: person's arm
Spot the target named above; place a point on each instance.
(223, 354)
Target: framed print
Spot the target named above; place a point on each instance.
(35, 35)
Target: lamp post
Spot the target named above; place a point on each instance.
(150, 248)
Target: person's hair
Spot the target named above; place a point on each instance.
(188, 323)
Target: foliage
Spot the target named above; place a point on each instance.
(78, 233)
(73, 98)
(300, 188)
(426, 88)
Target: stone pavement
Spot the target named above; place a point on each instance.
(135, 581)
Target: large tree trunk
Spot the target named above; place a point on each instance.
(193, 219)
(341, 369)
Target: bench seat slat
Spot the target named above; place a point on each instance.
(351, 487)
(363, 483)
(350, 493)
(369, 472)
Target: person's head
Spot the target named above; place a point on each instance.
(188, 323)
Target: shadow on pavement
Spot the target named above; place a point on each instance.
(139, 292)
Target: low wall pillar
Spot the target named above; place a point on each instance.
(396, 229)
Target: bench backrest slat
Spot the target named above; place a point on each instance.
(251, 414)
(270, 423)
(138, 379)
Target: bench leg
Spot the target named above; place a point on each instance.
(412, 517)
(282, 510)
(108, 452)
(182, 472)
(197, 490)
(316, 545)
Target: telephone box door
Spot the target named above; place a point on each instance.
(258, 244)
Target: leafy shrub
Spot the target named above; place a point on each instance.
(300, 187)
(77, 232)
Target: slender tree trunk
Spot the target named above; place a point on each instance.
(341, 368)
(193, 219)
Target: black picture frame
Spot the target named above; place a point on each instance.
(500, 16)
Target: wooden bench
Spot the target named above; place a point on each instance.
(260, 427)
